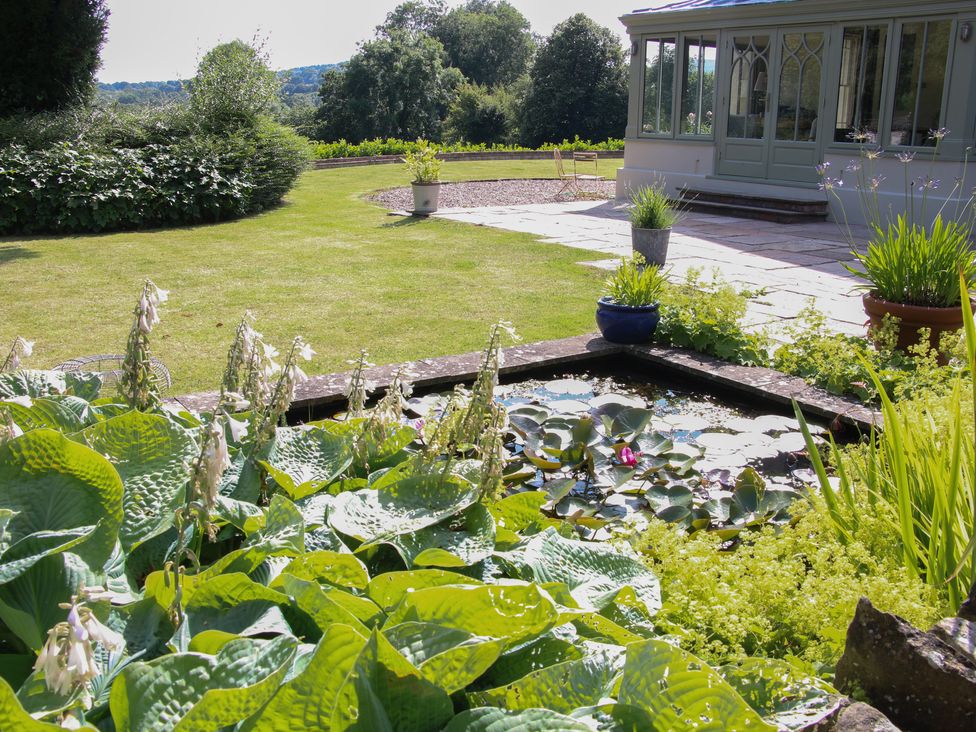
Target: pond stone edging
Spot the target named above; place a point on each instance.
(748, 381)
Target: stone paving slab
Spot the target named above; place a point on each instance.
(797, 262)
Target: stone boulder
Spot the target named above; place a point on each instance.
(919, 681)
(859, 717)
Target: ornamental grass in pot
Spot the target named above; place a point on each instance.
(425, 169)
(913, 263)
(652, 214)
(629, 311)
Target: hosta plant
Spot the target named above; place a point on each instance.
(165, 570)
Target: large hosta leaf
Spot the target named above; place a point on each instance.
(303, 461)
(614, 718)
(281, 530)
(681, 691)
(334, 568)
(34, 383)
(327, 606)
(13, 717)
(563, 687)
(191, 691)
(234, 603)
(385, 692)
(514, 613)
(46, 412)
(490, 719)
(153, 455)
(449, 658)
(54, 484)
(308, 700)
(784, 696)
(389, 588)
(594, 573)
(29, 604)
(456, 542)
(408, 505)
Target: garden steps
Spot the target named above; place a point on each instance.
(777, 209)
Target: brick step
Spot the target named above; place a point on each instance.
(764, 208)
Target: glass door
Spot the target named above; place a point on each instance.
(774, 104)
(794, 145)
(742, 148)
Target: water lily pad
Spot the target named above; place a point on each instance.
(568, 386)
(624, 401)
(567, 406)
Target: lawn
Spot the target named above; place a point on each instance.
(327, 265)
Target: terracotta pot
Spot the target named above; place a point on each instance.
(652, 243)
(913, 317)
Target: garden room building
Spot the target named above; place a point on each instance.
(746, 97)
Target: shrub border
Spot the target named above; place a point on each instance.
(454, 157)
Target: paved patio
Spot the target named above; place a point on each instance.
(788, 263)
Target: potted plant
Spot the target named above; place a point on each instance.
(913, 262)
(651, 217)
(629, 311)
(425, 168)
(911, 273)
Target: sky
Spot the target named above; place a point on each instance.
(155, 41)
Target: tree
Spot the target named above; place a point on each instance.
(49, 53)
(393, 87)
(578, 85)
(480, 116)
(490, 42)
(413, 16)
(233, 86)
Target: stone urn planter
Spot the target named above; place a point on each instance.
(651, 243)
(425, 197)
(626, 323)
(912, 318)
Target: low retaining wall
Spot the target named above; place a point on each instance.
(457, 157)
(748, 382)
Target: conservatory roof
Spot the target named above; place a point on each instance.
(675, 5)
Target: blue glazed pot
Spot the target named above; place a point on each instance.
(625, 323)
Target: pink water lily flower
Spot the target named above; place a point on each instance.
(628, 457)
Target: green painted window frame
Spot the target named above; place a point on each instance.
(679, 39)
(892, 55)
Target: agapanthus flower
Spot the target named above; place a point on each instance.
(876, 182)
(853, 166)
(927, 182)
(873, 154)
(906, 157)
(822, 168)
(939, 134)
(828, 184)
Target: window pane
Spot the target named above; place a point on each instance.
(698, 86)
(749, 87)
(658, 85)
(799, 87)
(922, 58)
(861, 75)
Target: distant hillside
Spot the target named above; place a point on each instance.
(303, 80)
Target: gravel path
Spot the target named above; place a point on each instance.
(475, 194)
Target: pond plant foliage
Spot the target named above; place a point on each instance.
(167, 570)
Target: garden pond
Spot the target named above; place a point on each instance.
(605, 449)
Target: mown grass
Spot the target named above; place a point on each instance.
(327, 265)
